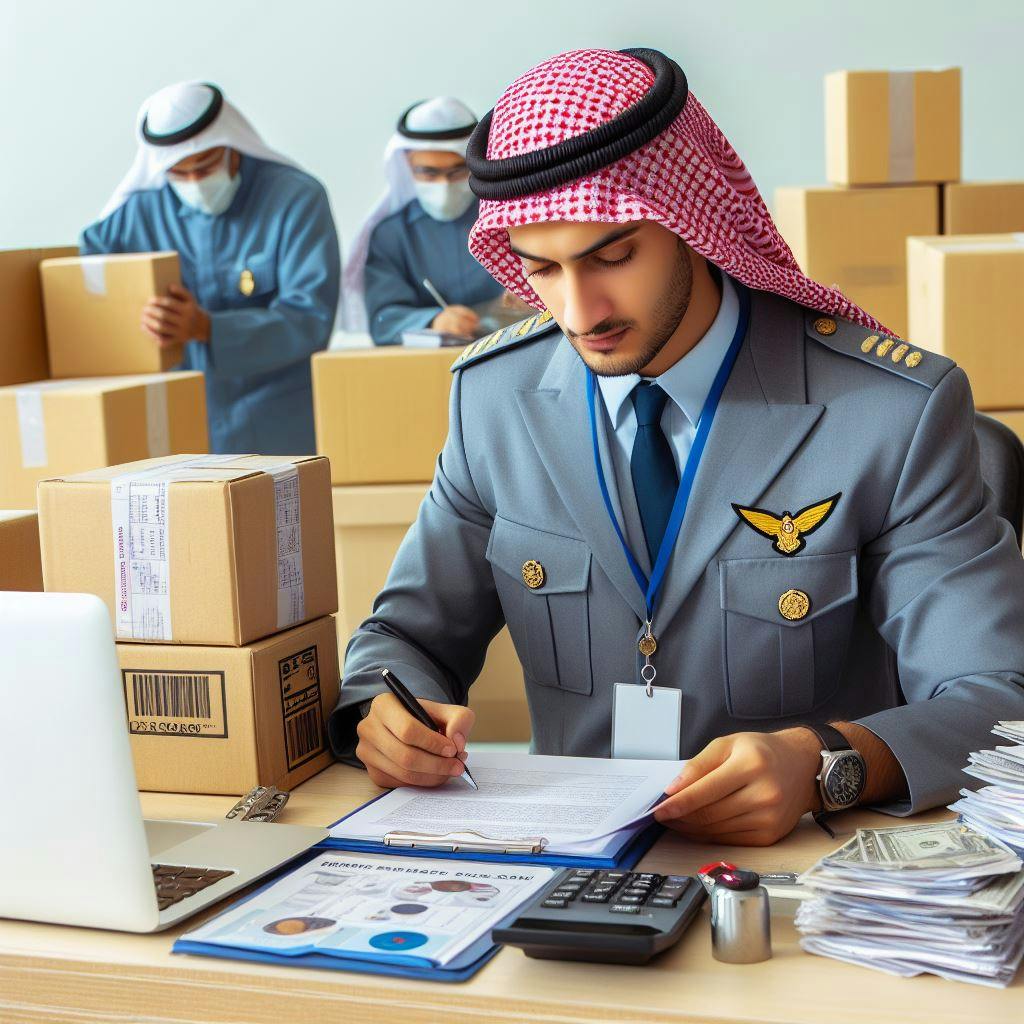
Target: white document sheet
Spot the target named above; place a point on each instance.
(576, 804)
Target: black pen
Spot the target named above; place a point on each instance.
(416, 709)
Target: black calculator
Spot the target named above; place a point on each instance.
(615, 917)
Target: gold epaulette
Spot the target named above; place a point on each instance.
(508, 337)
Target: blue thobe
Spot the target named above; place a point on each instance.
(279, 228)
(404, 249)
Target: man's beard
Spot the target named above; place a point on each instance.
(667, 315)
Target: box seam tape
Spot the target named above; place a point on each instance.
(158, 431)
(901, 126)
(291, 589)
(28, 400)
(94, 274)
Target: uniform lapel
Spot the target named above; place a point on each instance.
(762, 420)
(558, 419)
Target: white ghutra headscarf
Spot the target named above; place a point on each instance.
(444, 123)
(178, 122)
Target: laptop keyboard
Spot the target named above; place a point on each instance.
(174, 883)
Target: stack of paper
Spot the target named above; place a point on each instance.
(997, 809)
(579, 807)
(938, 899)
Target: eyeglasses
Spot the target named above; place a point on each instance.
(460, 172)
(197, 171)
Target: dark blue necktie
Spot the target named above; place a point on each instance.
(652, 466)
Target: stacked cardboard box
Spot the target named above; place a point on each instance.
(382, 418)
(982, 207)
(219, 575)
(22, 328)
(892, 139)
(78, 319)
(68, 426)
(94, 313)
(20, 568)
(958, 288)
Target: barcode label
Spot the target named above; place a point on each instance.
(175, 703)
(303, 734)
(301, 706)
(167, 696)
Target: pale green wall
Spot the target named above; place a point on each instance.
(324, 81)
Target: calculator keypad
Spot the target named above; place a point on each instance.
(624, 892)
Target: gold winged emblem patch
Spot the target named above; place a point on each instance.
(788, 530)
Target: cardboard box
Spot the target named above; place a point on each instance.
(892, 127)
(219, 549)
(369, 524)
(382, 414)
(52, 428)
(94, 309)
(20, 568)
(226, 719)
(963, 291)
(22, 328)
(855, 239)
(982, 207)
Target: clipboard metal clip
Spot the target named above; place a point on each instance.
(464, 841)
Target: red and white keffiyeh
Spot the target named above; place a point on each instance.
(688, 178)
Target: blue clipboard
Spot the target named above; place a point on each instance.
(461, 968)
(626, 856)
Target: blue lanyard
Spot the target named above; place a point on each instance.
(652, 588)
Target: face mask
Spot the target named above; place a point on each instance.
(445, 200)
(211, 195)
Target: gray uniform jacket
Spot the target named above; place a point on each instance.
(910, 616)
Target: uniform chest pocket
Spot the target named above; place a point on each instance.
(542, 580)
(251, 281)
(786, 626)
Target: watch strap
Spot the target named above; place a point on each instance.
(831, 738)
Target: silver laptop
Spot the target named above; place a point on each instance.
(74, 848)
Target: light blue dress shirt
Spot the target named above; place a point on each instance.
(407, 247)
(278, 227)
(687, 383)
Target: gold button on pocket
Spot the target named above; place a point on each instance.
(246, 282)
(794, 605)
(533, 574)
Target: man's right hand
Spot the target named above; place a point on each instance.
(459, 320)
(399, 751)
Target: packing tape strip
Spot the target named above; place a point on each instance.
(94, 274)
(32, 422)
(31, 427)
(291, 589)
(158, 430)
(901, 126)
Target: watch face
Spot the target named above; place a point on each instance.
(845, 780)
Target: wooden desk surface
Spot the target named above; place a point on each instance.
(52, 974)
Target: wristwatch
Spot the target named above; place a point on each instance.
(843, 773)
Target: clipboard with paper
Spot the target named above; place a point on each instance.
(530, 808)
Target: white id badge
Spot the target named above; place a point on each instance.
(646, 727)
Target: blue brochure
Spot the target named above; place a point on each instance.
(406, 917)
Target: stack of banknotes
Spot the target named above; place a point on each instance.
(939, 899)
(998, 808)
